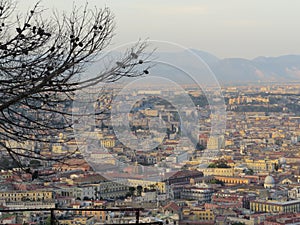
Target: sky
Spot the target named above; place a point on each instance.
(231, 28)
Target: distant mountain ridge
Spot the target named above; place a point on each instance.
(273, 69)
(176, 66)
(284, 68)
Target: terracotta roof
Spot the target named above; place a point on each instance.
(172, 206)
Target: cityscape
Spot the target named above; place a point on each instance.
(149, 112)
(252, 179)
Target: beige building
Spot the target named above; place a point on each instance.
(228, 172)
(17, 196)
(108, 142)
(275, 206)
(233, 180)
(78, 220)
(161, 186)
(261, 165)
(215, 142)
(198, 214)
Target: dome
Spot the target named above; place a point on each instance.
(269, 182)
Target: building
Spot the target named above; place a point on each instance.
(183, 177)
(108, 142)
(196, 192)
(111, 190)
(235, 200)
(172, 211)
(228, 172)
(283, 219)
(99, 216)
(233, 180)
(294, 193)
(8, 219)
(261, 165)
(30, 205)
(72, 164)
(160, 186)
(77, 220)
(275, 206)
(215, 142)
(18, 196)
(196, 214)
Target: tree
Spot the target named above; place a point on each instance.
(41, 61)
(131, 191)
(139, 190)
(48, 221)
(216, 181)
(185, 167)
(249, 171)
(86, 198)
(200, 147)
(35, 163)
(278, 142)
(221, 163)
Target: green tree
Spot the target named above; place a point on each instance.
(200, 147)
(131, 191)
(221, 163)
(216, 181)
(212, 165)
(139, 190)
(48, 221)
(35, 163)
(185, 167)
(249, 172)
(278, 142)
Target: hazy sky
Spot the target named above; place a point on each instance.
(225, 28)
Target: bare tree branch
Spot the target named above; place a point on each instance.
(41, 61)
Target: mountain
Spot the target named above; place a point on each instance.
(207, 57)
(184, 66)
(234, 70)
(268, 69)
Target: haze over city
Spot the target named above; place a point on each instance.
(231, 28)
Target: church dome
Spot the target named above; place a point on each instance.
(269, 182)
